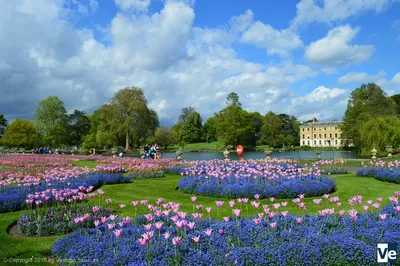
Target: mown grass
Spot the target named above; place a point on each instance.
(38, 248)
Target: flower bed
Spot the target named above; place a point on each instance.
(281, 239)
(147, 174)
(59, 220)
(232, 187)
(269, 180)
(14, 198)
(384, 174)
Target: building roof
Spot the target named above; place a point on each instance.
(329, 123)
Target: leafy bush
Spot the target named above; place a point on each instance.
(174, 170)
(59, 220)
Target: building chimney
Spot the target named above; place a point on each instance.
(313, 120)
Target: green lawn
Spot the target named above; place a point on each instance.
(152, 189)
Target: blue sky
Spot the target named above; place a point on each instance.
(297, 57)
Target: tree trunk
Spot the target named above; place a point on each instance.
(127, 141)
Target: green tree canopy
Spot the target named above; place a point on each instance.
(210, 130)
(128, 116)
(271, 129)
(233, 100)
(164, 137)
(192, 128)
(365, 103)
(52, 121)
(3, 124)
(257, 122)
(379, 133)
(79, 125)
(234, 126)
(396, 99)
(290, 127)
(21, 133)
(185, 112)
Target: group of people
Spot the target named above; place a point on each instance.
(152, 152)
(40, 150)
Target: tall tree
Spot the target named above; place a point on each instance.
(257, 121)
(233, 100)
(290, 127)
(192, 128)
(210, 130)
(52, 121)
(396, 99)
(3, 124)
(163, 137)
(176, 132)
(79, 125)
(271, 128)
(185, 112)
(380, 133)
(128, 116)
(21, 133)
(366, 102)
(234, 126)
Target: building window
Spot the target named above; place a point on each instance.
(325, 136)
(320, 136)
(324, 128)
(303, 129)
(304, 142)
(336, 141)
(330, 135)
(308, 129)
(308, 142)
(319, 129)
(315, 136)
(320, 142)
(315, 142)
(315, 129)
(335, 135)
(303, 136)
(308, 136)
(335, 128)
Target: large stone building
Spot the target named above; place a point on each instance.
(321, 134)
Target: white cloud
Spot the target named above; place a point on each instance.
(360, 77)
(138, 5)
(275, 41)
(308, 11)
(322, 102)
(335, 48)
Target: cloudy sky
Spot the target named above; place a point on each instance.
(297, 57)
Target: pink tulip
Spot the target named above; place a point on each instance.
(158, 225)
(117, 233)
(226, 219)
(219, 204)
(135, 203)
(96, 223)
(220, 232)
(236, 212)
(342, 212)
(257, 221)
(284, 204)
(272, 199)
(208, 232)
(167, 235)
(122, 206)
(199, 207)
(365, 207)
(196, 239)
(147, 227)
(194, 198)
(257, 196)
(113, 217)
(191, 225)
(108, 201)
(299, 220)
(273, 225)
(285, 213)
(176, 240)
(142, 241)
(231, 203)
(317, 201)
(95, 209)
(110, 226)
(383, 216)
(208, 209)
(379, 199)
